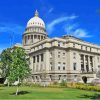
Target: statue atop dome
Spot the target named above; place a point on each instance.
(36, 13)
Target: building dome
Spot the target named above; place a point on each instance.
(36, 21)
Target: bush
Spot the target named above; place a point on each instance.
(2, 85)
(55, 83)
(83, 87)
(30, 84)
(63, 83)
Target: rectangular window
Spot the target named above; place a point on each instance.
(64, 65)
(74, 45)
(86, 48)
(74, 55)
(63, 68)
(74, 66)
(99, 67)
(63, 54)
(58, 67)
(59, 64)
(58, 54)
(59, 44)
(33, 59)
(98, 59)
(42, 57)
(50, 54)
(37, 58)
(81, 47)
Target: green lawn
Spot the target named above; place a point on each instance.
(40, 93)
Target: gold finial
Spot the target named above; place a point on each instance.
(36, 13)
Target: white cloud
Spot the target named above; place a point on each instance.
(81, 33)
(10, 27)
(50, 10)
(74, 30)
(51, 26)
(70, 27)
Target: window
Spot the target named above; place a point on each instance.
(64, 66)
(33, 59)
(74, 55)
(25, 39)
(74, 45)
(50, 54)
(37, 58)
(81, 47)
(98, 59)
(51, 77)
(51, 66)
(58, 54)
(74, 66)
(59, 44)
(59, 64)
(42, 57)
(35, 36)
(39, 37)
(58, 67)
(59, 77)
(63, 54)
(28, 37)
(99, 67)
(86, 48)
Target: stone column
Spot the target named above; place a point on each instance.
(47, 62)
(31, 63)
(84, 63)
(93, 63)
(89, 64)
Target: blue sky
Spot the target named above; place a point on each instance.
(75, 17)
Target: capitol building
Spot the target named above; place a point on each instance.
(56, 59)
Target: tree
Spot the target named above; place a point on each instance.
(19, 66)
(14, 65)
(6, 60)
(84, 78)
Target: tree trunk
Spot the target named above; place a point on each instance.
(17, 90)
(8, 83)
(17, 87)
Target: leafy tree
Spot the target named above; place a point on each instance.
(84, 78)
(14, 65)
(19, 66)
(6, 60)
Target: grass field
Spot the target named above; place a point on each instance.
(40, 93)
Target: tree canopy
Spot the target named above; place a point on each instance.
(14, 64)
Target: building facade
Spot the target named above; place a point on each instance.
(56, 59)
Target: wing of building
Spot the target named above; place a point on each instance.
(66, 58)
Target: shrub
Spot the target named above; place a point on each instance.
(63, 83)
(2, 85)
(83, 87)
(55, 83)
(30, 84)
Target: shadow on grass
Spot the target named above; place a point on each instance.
(92, 97)
(20, 93)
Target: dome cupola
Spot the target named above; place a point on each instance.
(36, 21)
(35, 30)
